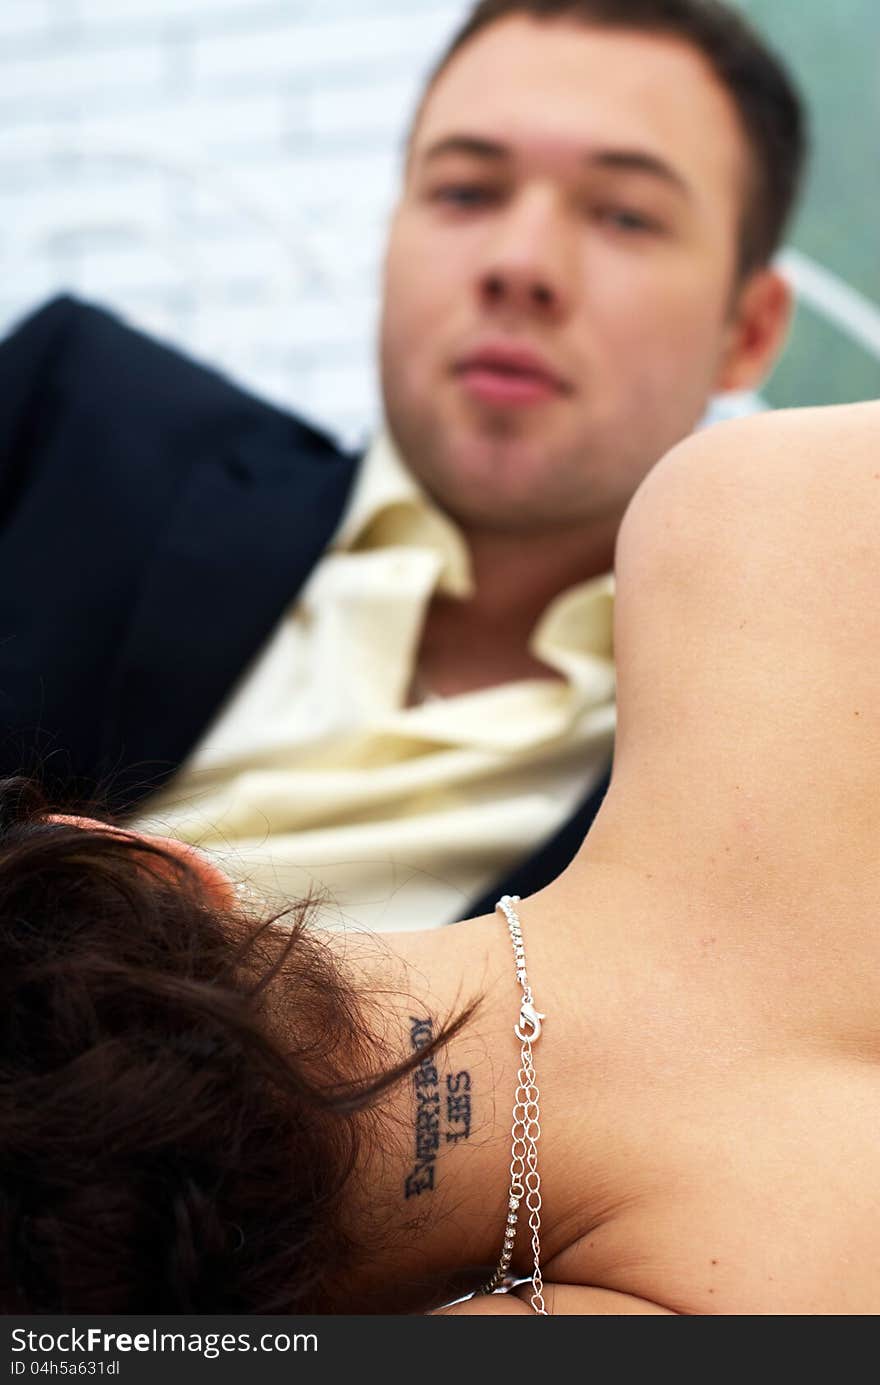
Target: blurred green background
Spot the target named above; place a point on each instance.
(834, 52)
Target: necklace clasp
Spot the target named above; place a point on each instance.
(529, 1020)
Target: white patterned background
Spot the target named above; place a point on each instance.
(220, 171)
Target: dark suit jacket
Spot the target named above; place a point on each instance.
(155, 522)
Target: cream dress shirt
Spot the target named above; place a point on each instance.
(317, 778)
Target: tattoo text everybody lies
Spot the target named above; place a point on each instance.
(451, 1111)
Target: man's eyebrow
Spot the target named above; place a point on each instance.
(638, 161)
(625, 160)
(466, 144)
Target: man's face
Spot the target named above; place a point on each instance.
(559, 276)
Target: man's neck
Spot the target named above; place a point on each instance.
(484, 641)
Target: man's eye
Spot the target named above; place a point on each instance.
(628, 220)
(463, 194)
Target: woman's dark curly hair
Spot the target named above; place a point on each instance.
(162, 1147)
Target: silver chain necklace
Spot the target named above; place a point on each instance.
(525, 1181)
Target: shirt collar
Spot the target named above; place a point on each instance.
(389, 509)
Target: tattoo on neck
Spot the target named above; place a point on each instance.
(456, 1107)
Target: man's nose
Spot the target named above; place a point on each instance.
(527, 266)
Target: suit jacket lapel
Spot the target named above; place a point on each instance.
(244, 535)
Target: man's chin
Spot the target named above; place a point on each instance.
(505, 468)
(499, 471)
(510, 502)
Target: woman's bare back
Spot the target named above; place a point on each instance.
(711, 960)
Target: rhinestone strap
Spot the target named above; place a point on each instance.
(525, 1181)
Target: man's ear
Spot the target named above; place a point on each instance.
(757, 330)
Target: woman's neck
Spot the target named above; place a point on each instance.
(429, 1199)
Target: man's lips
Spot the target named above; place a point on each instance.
(509, 375)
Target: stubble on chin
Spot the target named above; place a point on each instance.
(483, 483)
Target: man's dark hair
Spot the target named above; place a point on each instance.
(165, 1144)
(768, 103)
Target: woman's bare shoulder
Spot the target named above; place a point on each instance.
(773, 502)
(849, 427)
(753, 468)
